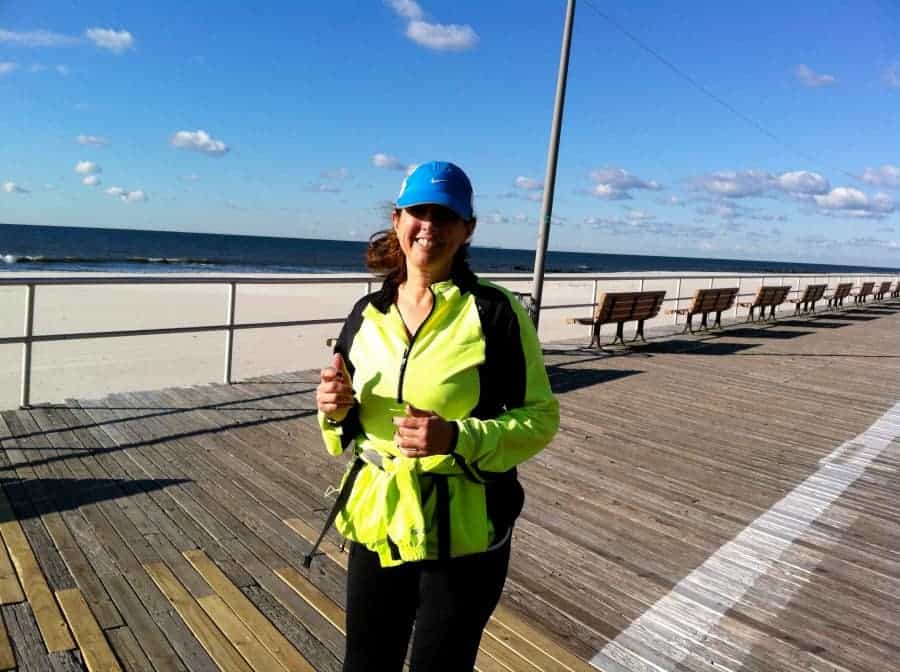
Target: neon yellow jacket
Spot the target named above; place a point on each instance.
(475, 360)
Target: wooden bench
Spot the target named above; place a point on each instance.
(841, 292)
(883, 289)
(864, 291)
(704, 302)
(619, 308)
(767, 297)
(895, 292)
(807, 301)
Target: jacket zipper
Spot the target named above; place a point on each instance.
(409, 347)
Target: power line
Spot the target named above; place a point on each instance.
(706, 91)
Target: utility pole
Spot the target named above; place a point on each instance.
(550, 177)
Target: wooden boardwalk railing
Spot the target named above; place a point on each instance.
(727, 503)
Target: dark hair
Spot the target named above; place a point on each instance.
(384, 256)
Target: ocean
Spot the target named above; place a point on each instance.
(60, 248)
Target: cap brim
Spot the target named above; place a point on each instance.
(410, 199)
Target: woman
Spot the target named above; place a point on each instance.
(439, 380)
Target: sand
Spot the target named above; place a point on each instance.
(92, 368)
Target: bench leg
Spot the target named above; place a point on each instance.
(703, 325)
(639, 333)
(772, 314)
(718, 322)
(619, 334)
(689, 324)
(595, 336)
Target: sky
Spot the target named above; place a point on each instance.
(764, 130)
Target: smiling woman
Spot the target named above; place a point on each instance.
(438, 378)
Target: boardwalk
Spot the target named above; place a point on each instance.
(711, 503)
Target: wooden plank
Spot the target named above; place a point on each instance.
(510, 620)
(46, 612)
(147, 628)
(262, 628)
(98, 656)
(314, 597)
(210, 637)
(10, 590)
(129, 651)
(7, 657)
(237, 633)
(526, 648)
(329, 548)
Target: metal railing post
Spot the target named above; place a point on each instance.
(229, 335)
(677, 299)
(25, 401)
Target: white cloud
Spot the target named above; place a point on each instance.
(850, 202)
(63, 70)
(672, 200)
(87, 168)
(7, 67)
(529, 183)
(199, 141)
(609, 193)
(407, 9)
(885, 176)
(735, 184)
(724, 210)
(437, 36)
(440, 37)
(891, 76)
(803, 182)
(36, 38)
(387, 162)
(13, 188)
(116, 41)
(613, 184)
(324, 188)
(635, 215)
(126, 196)
(336, 174)
(91, 180)
(811, 78)
(94, 140)
(136, 196)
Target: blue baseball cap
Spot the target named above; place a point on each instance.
(438, 182)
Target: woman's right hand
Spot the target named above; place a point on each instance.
(334, 395)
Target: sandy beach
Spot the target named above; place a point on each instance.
(94, 367)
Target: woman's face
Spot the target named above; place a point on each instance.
(430, 236)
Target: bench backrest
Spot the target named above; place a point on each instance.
(813, 293)
(885, 287)
(771, 295)
(866, 288)
(843, 290)
(713, 300)
(628, 306)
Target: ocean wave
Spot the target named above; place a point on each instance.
(41, 259)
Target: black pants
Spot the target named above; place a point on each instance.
(449, 601)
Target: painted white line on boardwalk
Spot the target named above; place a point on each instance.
(681, 623)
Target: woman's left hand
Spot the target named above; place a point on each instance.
(423, 433)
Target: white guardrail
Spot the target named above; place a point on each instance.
(561, 300)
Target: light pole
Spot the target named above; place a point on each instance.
(550, 177)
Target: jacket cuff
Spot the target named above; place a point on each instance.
(332, 434)
(464, 444)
